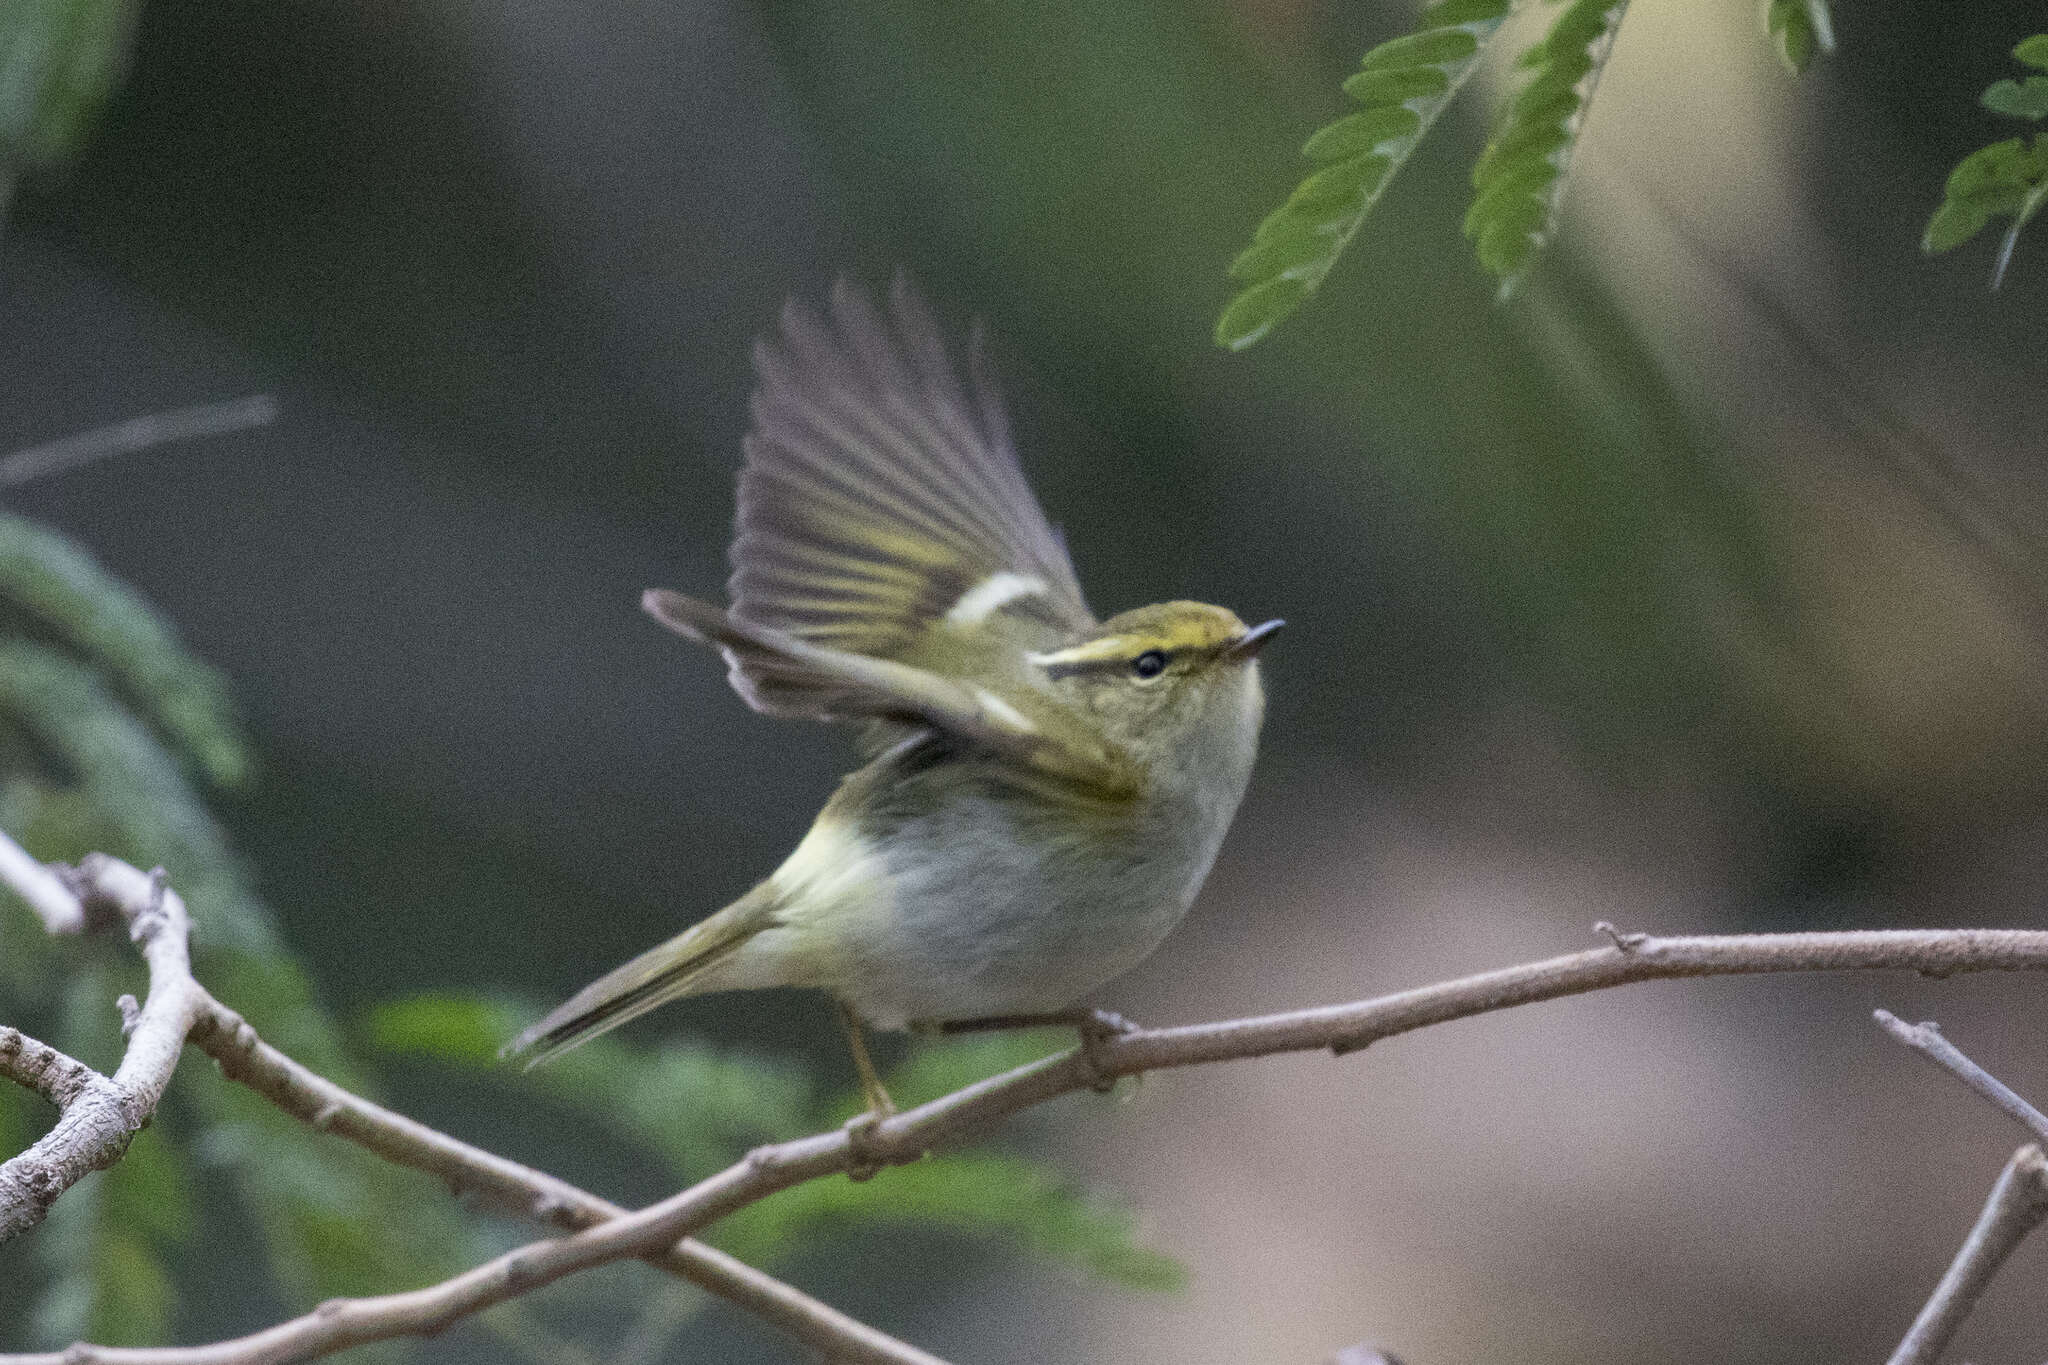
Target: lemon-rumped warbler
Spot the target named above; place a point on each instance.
(1045, 792)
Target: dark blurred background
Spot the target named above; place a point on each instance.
(1668, 595)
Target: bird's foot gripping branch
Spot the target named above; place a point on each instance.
(101, 1113)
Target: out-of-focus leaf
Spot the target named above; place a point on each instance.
(1403, 86)
(941, 1066)
(2004, 180)
(2019, 99)
(93, 692)
(974, 1194)
(106, 1246)
(1520, 180)
(1801, 29)
(141, 805)
(464, 1029)
(60, 60)
(52, 589)
(698, 1109)
(693, 1105)
(335, 1220)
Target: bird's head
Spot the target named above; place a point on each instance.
(1175, 685)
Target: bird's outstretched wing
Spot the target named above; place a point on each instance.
(781, 675)
(882, 498)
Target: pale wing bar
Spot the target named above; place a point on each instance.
(878, 489)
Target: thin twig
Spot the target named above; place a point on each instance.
(308, 1096)
(1926, 1039)
(42, 889)
(907, 1136)
(135, 434)
(2018, 1203)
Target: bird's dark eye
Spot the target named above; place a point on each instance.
(1150, 664)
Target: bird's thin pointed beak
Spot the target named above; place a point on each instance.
(1254, 640)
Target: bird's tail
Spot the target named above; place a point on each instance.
(659, 975)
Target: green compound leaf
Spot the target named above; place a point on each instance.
(693, 1105)
(1520, 179)
(696, 1109)
(977, 1194)
(1403, 86)
(1801, 29)
(2004, 180)
(56, 590)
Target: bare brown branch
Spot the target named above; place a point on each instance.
(95, 1127)
(155, 913)
(2018, 1203)
(42, 889)
(907, 1136)
(466, 1170)
(1926, 1039)
(40, 1067)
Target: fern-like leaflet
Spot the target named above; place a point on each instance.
(2006, 179)
(1403, 86)
(1800, 29)
(1520, 179)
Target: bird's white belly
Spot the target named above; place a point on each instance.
(968, 915)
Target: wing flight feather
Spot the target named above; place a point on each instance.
(879, 489)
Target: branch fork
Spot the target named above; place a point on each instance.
(599, 1233)
(103, 1113)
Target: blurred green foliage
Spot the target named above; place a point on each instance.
(60, 61)
(2004, 180)
(109, 734)
(1801, 29)
(696, 1109)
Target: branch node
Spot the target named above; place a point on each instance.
(550, 1209)
(98, 910)
(863, 1160)
(330, 1308)
(131, 1013)
(1097, 1028)
(146, 924)
(325, 1117)
(1626, 943)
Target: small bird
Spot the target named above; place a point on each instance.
(1044, 793)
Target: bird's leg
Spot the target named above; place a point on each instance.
(871, 1088)
(1095, 1027)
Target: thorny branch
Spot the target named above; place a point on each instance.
(907, 1136)
(2017, 1205)
(108, 885)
